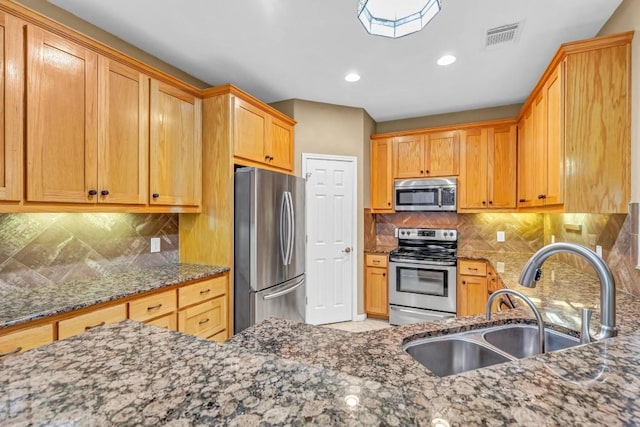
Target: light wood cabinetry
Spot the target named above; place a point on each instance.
(472, 287)
(123, 133)
(11, 101)
(175, 161)
(488, 168)
(575, 130)
(202, 291)
(376, 289)
(206, 319)
(168, 321)
(261, 138)
(61, 126)
(156, 305)
(25, 339)
(91, 320)
(381, 176)
(431, 154)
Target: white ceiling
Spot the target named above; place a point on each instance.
(284, 49)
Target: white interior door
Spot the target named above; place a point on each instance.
(331, 227)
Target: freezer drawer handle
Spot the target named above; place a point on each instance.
(404, 310)
(283, 292)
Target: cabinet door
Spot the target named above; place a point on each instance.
(250, 132)
(175, 159)
(62, 92)
(540, 143)
(381, 176)
(472, 295)
(11, 97)
(473, 174)
(280, 144)
(408, 157)
(554, 94)
(204, 320)
(91, 320)
(376, 292)
(442, 153)
(526, 159)
(123, 133)
(502, 167)
(25, 339)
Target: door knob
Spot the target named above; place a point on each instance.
(347, 250)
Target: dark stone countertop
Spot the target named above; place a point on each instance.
(22, 306)
(382, 250)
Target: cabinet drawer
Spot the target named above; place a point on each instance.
(205, 319)
(220, 337)
(85, 322)
(376, 260)
(473, 268)
(170, 322)
(155, 305)
(26, 339)
(202, 291)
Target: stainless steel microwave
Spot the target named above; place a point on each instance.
(427, 194)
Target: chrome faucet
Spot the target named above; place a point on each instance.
(532, 272)
(536, 312)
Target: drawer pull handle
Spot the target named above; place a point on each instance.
(206, 291)
(202, 322)
(376, 261)
(88, 328)
(472, 268)
(9, 353)
(154, 307)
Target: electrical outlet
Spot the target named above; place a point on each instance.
(500, 236)
(553, 238)
(155, 244)
(599, 250)
(500, 267)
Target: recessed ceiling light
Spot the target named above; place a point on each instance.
(352, 77)
(446, 60)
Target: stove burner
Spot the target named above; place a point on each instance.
(426, 246)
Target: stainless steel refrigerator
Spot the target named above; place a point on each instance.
(269, 258)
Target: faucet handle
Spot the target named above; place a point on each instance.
(585, 336)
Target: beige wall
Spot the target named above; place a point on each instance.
(626, 18)
(470, 116)
(341, 131)
(62, 16)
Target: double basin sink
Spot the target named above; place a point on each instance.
(479, 348)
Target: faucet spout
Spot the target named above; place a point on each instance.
(531, 274)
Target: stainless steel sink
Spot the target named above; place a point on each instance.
(448, 356)
(521, 341)
(466, 351)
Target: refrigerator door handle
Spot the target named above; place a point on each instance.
(292, 228)
(284, 291)
(283, 213)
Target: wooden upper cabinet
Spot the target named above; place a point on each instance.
(526, 158)
(502, 158)
(11, 113)
(488, 171)
(62, 97)
(442, 153)
(279, 146)
(250, 132)
(175, 159)
(408, 156)
(123, 133)
(261, 139)
(381, 176)
(554, 94)
(426, 155)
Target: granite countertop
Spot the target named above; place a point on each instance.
(22, 306)
(283, 372)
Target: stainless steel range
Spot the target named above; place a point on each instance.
(422, 275)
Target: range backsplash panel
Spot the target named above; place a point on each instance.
(46, 249)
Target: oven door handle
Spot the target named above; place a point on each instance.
(422, 313)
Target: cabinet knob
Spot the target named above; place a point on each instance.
(427, 171)
(104, 192)
(540, 196)
(388, 203)
(155, 195)
(93, 192)
(522, 200)
(271, 158)
(266, 158)
(384, 274)
(464, 282)
(484, 203)
(421, 172)
(490, 202)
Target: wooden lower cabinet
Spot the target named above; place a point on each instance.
(155, 305)
(25, 339)
(376, 288)
(472, 287)
(91, 320)
(169, 321)
(204, 320)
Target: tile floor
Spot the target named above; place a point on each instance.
(363, 326)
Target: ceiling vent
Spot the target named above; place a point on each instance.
(499, 36)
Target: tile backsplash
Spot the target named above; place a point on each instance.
(44, 249)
